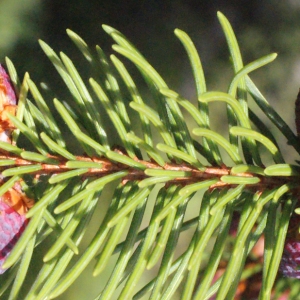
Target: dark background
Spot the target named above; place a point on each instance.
(261, 27)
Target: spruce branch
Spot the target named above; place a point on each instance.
(241, 199)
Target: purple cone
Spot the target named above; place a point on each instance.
(290, 261)
(12, 225)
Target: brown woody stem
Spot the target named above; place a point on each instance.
(109, 167)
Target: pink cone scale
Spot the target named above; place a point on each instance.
(8, 103)
(12, 224)
(8, 96)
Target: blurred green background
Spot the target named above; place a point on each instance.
(261, 27)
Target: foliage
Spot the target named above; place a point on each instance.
(239, 197)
